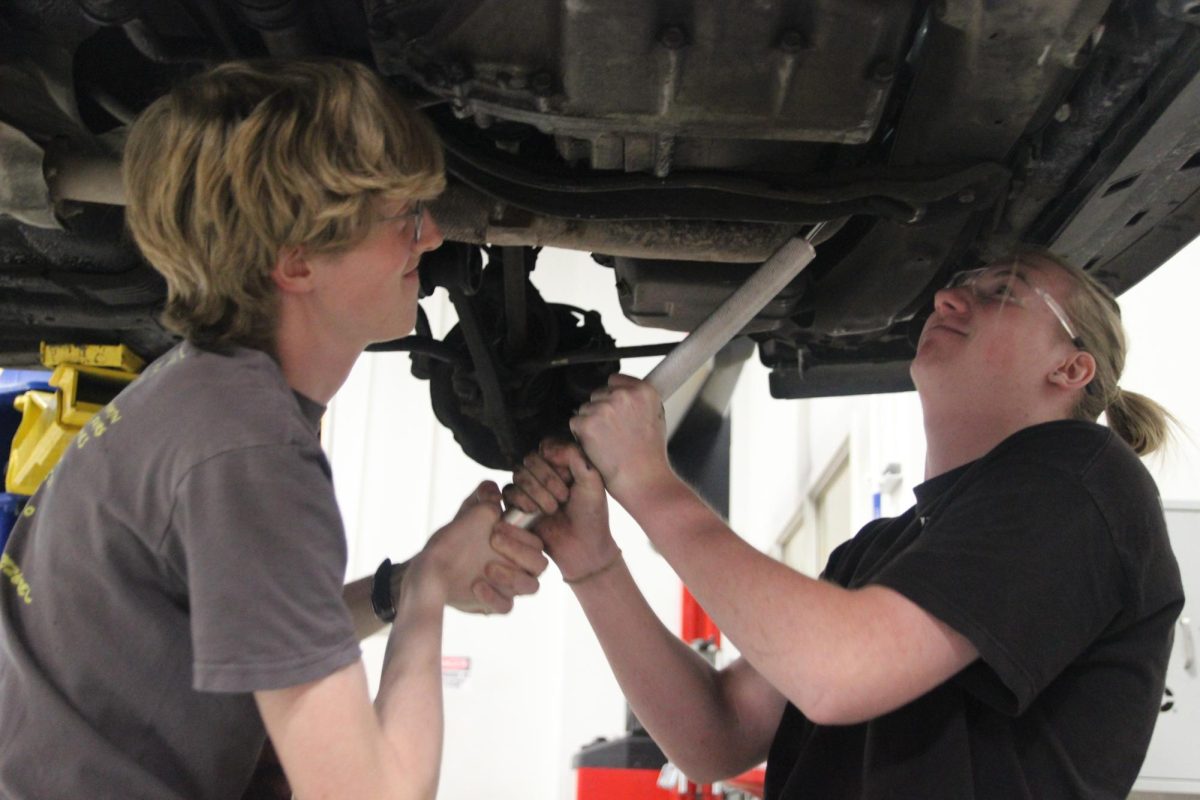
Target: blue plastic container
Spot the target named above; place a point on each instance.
(13, 384)
(10, 512)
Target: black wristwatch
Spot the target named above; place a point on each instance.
(381, 592)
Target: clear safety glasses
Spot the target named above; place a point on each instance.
(1002, 284)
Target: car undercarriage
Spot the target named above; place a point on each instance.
(681, 143)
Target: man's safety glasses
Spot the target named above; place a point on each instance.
(416, 213)
(1003, 284)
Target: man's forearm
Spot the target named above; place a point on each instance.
(409, 702)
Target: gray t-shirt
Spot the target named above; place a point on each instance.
(186, 552)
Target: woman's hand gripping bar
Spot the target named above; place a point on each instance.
(717, 329)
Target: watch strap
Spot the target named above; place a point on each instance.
(381, 592)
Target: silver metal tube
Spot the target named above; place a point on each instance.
(730, 317)
(715, 332)
(465, 215)
(91, 179)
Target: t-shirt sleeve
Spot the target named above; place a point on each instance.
(1025, 568)
(265, 559)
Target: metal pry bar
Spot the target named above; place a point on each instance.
(717, 329)
(731, 316)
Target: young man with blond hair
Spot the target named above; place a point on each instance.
(185, 561)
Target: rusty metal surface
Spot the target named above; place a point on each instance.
(703, 133)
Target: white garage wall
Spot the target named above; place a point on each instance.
(802, 438)
(1160, 317)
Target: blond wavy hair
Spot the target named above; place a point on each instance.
(1141, 422)
(246, 159)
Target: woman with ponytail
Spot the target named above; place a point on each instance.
(1007, 636)
(1138, 420)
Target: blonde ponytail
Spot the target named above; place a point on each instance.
(1138, 420)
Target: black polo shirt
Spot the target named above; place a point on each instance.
(1050, 554)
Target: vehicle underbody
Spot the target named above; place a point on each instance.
(681, 143)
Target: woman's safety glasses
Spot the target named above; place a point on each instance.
(1002, 284)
